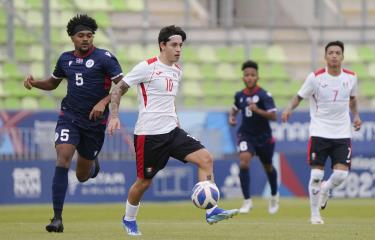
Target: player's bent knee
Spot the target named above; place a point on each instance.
(338, 176)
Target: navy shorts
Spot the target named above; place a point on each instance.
(339, 150)
(88, 141)
(260, 147)
(153, 151)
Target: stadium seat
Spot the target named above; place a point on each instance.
(22, 53)
(11, 71)
(192, 89)
(34, 18)
(3, 36)
(371, 70)
(366, 54)
(208, 72)
(135, 5)
(3, 17)
(37, 70)
(29, 103)
(12, 103)
(47, 103)
(207, 53)
(135, 52)
(278, 72)
(191, 72)
(360, 70)
(259, 54)
(118, 5)
(102, 19)
(35, 4)
(20, 4)
(2, 92)
(231, 54)
(351, 54)
(226, 71)
(15, 89)
(366, 89)
(275, 53)
(189, 53)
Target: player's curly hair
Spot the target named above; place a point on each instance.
(249, 64)
(168, 31)
(81, 19)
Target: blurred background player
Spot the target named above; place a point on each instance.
(157, 135)
(84, 111)
(254, 136)
(332, 92)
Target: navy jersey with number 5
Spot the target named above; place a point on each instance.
(89, 81)
(252, 124)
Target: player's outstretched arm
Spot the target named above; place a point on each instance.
(114, 121)
(293, 105)
(357, 122)
(48, 84)
(232, 116)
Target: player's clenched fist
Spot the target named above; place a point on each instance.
(114, 123)
(27, 83)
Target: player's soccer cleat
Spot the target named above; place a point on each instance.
(246, 206)
(316, 220)
(219, 214)
(56, 225)
(324, 196)
(131, 227)
(97, 168)
(273, 205)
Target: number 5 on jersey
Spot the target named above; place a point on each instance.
(79, 79)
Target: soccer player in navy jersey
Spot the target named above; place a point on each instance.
(84, 110)
(254, 136)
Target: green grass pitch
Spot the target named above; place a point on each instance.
(344, 219)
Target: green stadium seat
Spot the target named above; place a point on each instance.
(191, 72)
(211, 88)
(22, 53)
(208, 72)
(35, 4)
(92, 5)
(12, 103)
(15, 89)
(192, 101)
(47, 103)
(66, 5)
(278, 72)
(207, 54)
(34, 18)
(3, 17)
(12, 72)
(371, 70)
(20, 4)
(118, 5)
(135, 5)
(189, 53)
(366, 89)
(3, 36)
(259, 54)
(37, 70)
(29, 103)
(226, 71)
(234, 54)
(351, 54)
(2, 92)
(36, 52)
(102, 19)
(366, 54)
(101, 39)
(21, 36)
(360, 70)
(275, 53)
(136, 52)
(192, 89)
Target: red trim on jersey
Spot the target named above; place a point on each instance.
(141, 139)
(144, 93)
(177, 66)
(86, 54)
(251, 92)
(308, 151)
(107, 82)
(319, 71)
(152, 60)
(348, 71)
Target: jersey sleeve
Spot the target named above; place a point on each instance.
(354, 90)
(307, 89)
(111, 66)
(58, 73)
(236, 104)
(140, 73)
(269, 103)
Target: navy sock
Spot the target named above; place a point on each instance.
(272, 179)
(245, 182)
(59, 187)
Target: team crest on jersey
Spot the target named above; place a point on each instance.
(255, 99)
(90, 63)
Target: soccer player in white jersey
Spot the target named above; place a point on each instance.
(332, 92)
(157, 135)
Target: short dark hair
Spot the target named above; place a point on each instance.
(335, 43)
(81, 19)
(249, 64)
(168, 31)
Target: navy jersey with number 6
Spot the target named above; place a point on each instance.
(89, 81)
(252, 124)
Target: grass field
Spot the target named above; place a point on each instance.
(345, 219)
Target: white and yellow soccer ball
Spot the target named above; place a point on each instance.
(205, 194)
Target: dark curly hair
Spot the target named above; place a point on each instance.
(249, 64)
(81, 19)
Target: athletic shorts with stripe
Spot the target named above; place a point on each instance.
(153, 151)
(339, 150)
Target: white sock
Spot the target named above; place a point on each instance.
(209, 211)
(314, 190)
(131, 211)
(336, 178)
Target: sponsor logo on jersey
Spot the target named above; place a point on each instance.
(79, 60)
(108, 54)
(90, 63)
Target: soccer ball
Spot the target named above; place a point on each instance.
(205, 195)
